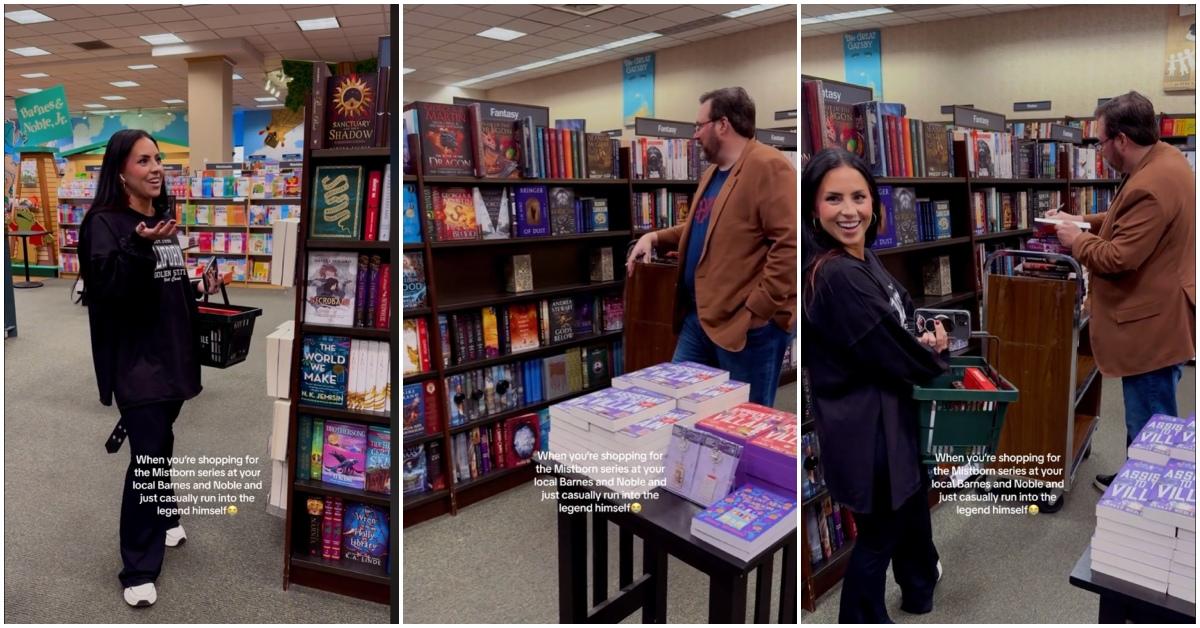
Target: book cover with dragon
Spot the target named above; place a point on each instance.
(445, 140)
(344, 454)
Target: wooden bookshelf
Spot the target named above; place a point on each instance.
(346, 577)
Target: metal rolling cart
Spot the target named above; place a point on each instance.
(1045, 352)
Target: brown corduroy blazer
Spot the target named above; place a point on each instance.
(748, 263)
(1142, 260)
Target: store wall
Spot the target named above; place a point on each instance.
(1068, 55)
(432, 92)
(761, 60)
(273, 133)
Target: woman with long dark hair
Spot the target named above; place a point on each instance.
(141, 308)
(862, 361)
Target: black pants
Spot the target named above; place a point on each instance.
(902, 537)
(143, 528)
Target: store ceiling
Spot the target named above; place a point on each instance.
(442, 47)
(902, 15)
(258, 37)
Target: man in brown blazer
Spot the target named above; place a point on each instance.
(1142, 257)
(735, 301)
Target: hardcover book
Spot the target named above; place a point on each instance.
(599, 156)
(602, 264)
(522, 439)
(492, 212)
(743, 422)
(365, 534)
(614, 313)
(562, 318)
(519, 273)
(714, 399)
(904, 201)
(495, 151)
(445, 140)
(532, 211)
(331, 290)
(562, 211)
(937, 150)
(379, 460)
(350, 118)
(454, 214)
(414, 476)
(885, 233)
(337, 202)
(412, 219)
(523, 327)
(344, 458)
(414, 411)
(323, 370)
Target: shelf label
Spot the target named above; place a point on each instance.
(91, 168)
(292, 156)
(509, 112)
(1032, 105)
(949, 109)
(779, 139)
(844, 93)
(613, 133)
(977, 119)
(788, 114)
(225, 165)
(1101, 101)
(172, 167)
(650, 127)
(1064, 133)
(291, 164)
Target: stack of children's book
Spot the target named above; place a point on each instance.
(1146, 520)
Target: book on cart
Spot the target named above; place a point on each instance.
(746, 522)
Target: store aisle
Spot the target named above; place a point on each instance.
(471, 558)
(62, 490)
(1014, 569)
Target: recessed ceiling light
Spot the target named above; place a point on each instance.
(237, 77)
(112, 97)
(29, 51)
(29, 90)
(93, 105)
(266, 98)
(28, 17)
(123, 84)
(144, 66)
(173, 101)
(407, 70)
(849, 15)
(503, 34)
(754, 9)
(36, 75)
(318, 24)
(161, 39)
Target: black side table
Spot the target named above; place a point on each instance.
(1121, 600)
(664, 525)
(25, 235)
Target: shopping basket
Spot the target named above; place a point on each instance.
(960, 422)
(225, 332)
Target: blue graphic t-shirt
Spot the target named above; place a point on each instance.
(699, 229)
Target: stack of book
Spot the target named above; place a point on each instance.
(747, 521)
(1146, 520)
(660, 209)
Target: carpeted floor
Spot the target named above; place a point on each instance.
(62, 491)
(1014, 569)
(496, 562)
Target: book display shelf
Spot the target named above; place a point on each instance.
(344, 201)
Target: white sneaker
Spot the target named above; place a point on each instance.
(176, 536)
(939, 566)
(141, 595)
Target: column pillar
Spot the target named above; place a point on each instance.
(210, 111)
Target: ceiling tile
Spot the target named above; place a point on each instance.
(467, 28)
(278, 28)
(487, 18)
(183, 26)
(418, 20)
(210, 10)
(444, 10)
(348, 10)
(127, 19)
(368, 19)
(650, 24)
(311, 13)
(443, 36)
(169, 15)
(108, 9)
(550, 16)
(618, 15)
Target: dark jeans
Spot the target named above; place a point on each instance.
(758, 364)
(902, 537)
(1149, 394)
(143, 529)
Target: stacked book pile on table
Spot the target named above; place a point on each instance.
(1146, 520)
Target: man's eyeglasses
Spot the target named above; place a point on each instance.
(701, 125)
(1103, 142)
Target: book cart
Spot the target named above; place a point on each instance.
(1047, 356)
(345, 577)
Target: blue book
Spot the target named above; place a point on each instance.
(540, 164)
(414, 410)
(412, 216)
(885, 234)
(1174, 497)
(365, 533)
(323, 370)
(941, 211)
(532, 211)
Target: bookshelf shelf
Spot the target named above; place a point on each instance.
(935, 244)
(421, 440)
(658, 182)
(920, 180)
(273, 201)
(414, 246)
(533, 353)
(342, 568)
(362, 416)
(595, 235)
(413, 312)
(344, 154)
(316, 487)
(491, 476)
(939, 302)
(816, 498)
(514, 297)
(421, 499)
(481, 181)
(986, 181)
(834, 559)
(326, 244)
(1081, 182)
(412, 378)
(366, 333)
(508, 414)
(1004, 234)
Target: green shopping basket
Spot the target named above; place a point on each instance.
(959, 422)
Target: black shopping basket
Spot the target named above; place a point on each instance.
(960, 422)
(225, 332)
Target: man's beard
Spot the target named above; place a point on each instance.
(710, 155)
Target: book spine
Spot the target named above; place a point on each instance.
(327, 530)
(316, 134)
(372, 291)
(360, 292)
(423, 335)
(908, 147)
(374, 183)
(303, 442)
(384, 310)
(317, 449)
(336, 539)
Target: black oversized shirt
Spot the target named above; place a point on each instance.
(141, 310)
(862, 362)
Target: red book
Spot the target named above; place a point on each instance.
(335, 541)
(975, 379)
(384, 309)
(327, 529)
(433, 409)
(552, 135)
(498, 439)
(568, 154)
(892, 144)
(374, 183)
(423, 338)
(908, 154)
